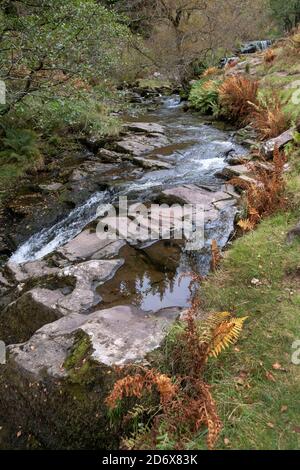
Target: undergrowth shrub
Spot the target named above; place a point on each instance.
(269, 118)
(20, 147)
(185, 400)
(204, 96)
(265, 196)
(269, 56)
(237, 93)
(211, 71)
(81, 113)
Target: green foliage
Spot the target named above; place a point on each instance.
(45, 46)
(204, 96)
(81, 113)
(286, 13)
(296, 137)
(20, 146)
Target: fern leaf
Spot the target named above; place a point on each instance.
(225, 334)
(246, 225)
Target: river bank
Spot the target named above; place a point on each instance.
(68, 278)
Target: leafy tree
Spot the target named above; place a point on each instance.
(50, 45)
(287, 13)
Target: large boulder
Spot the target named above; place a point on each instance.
(87, 245)
(280, 141)
(145, 127)
(54, 386)
(52, 293)
(140, 144)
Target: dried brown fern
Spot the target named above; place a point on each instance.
(215, 256)
(268, 117)
(185, 400)
(266, 195)
(237, 93)
(135, 385)
(211, 71)
(269, 56)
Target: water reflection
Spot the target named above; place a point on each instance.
(152, 278)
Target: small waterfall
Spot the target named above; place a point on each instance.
(172, 102)
(49, 239)
(263, 45)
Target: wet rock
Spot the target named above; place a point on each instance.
(55, 292)
(62, 375)
(141, 144)
(22, 206)
(151, 164)
(232, 171)
(235, 159)
(87, 245)
(109, 156)
(280, 141)
(246, 136)
(51, 187)
(88, 276)
(110, 333)
(192, 194)
(145, 127)
(20, 319)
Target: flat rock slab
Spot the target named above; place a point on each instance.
(192, 194)
(145, 127)
(141, 144)
(151, 164)
(30, 270)
(87, 245)
(232, 171)
(119, 335)
(68, 290)
(280, 141)
(88, 276)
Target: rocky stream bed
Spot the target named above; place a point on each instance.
(73, 306)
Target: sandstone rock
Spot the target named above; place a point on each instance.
(151, 164)
(73, 291)
(145, 127)
(141, 144)
(192, 194)
(232, 171)
(234, 159)
(109, 156)
(280, 141)
(62, 375)
(87, 245)
(30, 270)
(51, 187)
(119, 335)
(88, 276)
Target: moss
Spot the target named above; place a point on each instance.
(79, 364)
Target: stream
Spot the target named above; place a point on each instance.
(151, 277)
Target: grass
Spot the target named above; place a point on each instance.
(257, 401)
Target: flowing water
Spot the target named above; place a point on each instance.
(152, 279)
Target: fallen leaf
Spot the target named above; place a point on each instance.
(278, 366)
(226, 441)
(19, 433)
(271, 425)
(283, 409)
(296, 429)
(270, 377)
